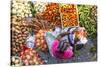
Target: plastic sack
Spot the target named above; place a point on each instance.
(56, 32)
(30, 41)
(49, 39)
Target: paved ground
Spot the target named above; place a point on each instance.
(83, 55)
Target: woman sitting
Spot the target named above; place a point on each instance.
(61, 49)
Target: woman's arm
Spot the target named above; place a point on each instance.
(62, 35)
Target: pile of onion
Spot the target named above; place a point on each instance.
(16, 61)
(30, 57)
(40, 41)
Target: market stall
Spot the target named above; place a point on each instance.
(30, 20)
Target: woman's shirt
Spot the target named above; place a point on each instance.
(68, 53)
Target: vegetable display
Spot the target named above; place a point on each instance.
(40, 41)
(30, 57)
(16, 61)
(87, 18)
(69, 15)
(52, 14)
(34, 19)
(22, 8)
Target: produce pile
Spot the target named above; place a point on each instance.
(69, 15)
(30, 18)
(27, 57)
(21, 23)
(40, 24)
(88, 19)
(52, 14)
(16, 61)
(39, 6)
(40, 41)
(58, 14)
(21, 8)
(30, 57)
(19, 33)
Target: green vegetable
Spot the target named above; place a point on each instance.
(88, 19)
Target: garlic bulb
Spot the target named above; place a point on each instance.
(16, 61)
(40, 6)
(21, 8)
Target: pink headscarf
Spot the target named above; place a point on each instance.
(68, 53)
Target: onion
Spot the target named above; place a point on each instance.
(42, 41)
(30, 61)
(13, 59)
(42, 34)
(34, 51)
(31, 57)
(38, 35)
(41, 38)
(43, 49)
(17, 61)
(17, 65)
(26, 62)
(38, 40)
(36, 63)
(31, 54)
(40, 31)
(45, 46)
(34, 59)
(38, 44)
(28, 57)
(26, 51)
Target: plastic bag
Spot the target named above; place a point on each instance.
(56, 32)
(30, 41)
(49, 39)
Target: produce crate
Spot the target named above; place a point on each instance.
(69, 15)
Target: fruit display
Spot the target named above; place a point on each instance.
(69, 14)
(30, 57)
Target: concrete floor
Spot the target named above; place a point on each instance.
(84, 55)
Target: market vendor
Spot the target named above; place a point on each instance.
(63, 45)
(61, 48)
